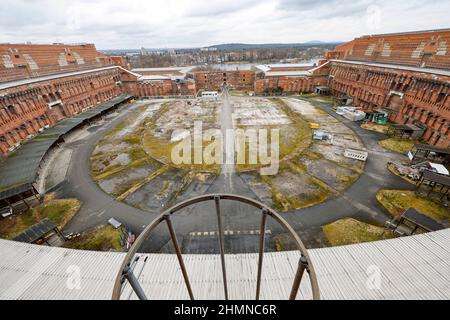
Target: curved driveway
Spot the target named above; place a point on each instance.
(97, 206)
(358, 201)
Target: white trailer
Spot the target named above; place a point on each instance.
(210, 94)
(356, 154)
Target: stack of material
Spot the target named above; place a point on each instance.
(322, 136)
(351, 113)
(407, 171)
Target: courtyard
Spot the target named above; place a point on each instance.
(122, 168)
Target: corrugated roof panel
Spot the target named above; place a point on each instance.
(22, 167)
(412, 268)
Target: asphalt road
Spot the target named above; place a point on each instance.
(98, 207)
(359, 201)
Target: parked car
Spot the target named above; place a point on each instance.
(6, 212)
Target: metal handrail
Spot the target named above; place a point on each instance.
(126, 271)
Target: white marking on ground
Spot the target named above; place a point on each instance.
(228, 233)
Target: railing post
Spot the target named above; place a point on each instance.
(302, 266)
(134, 283)
(262, 242)
(222, 245)
(126, 271)
(173, 236)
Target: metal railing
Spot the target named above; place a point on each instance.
(126, 271)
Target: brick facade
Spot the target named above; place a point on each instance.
(26, 109)
(408, 96)
(406, 74)
(214, 80)
(285, 84)
(159, 88)
(43, 84)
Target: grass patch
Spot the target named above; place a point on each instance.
(117, 169)
(161, 150)
(137, 154)
(302, 137)
(398, 201)
(140, 183)
(104, 238)
(124, 187)
(382, 128)
(101, 167)
(351, 231)
(311, 155)
(398, 145)
(238, 93)
(162, 110)
(284, 203)
(324, 99)
(158, 148)
(133, 139)
(308, 95)
(58, 211)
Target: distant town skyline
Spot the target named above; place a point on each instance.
(115, 24)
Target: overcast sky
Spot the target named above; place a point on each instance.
(112, 24)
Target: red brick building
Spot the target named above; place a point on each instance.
(406, 74)
(43, 84)
(214, 80)
(291, 78)
(158, 86)
(157, 82)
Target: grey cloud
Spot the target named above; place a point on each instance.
(159, 23)
(326, 8)
(222, 8)
(18, 13)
